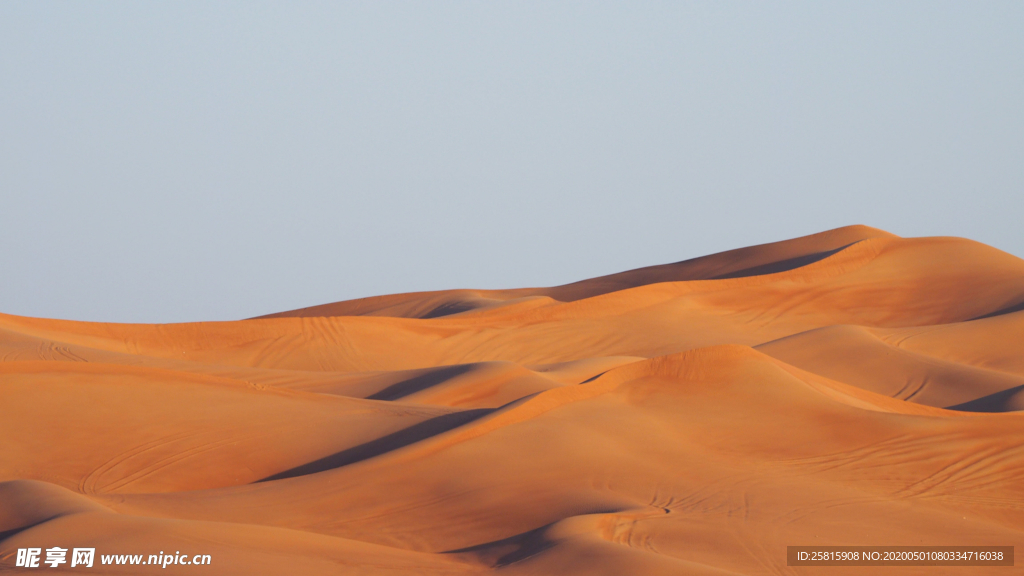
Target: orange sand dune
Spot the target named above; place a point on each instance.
(854, 355)
(845, 388)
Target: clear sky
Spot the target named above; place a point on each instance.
(179, 161)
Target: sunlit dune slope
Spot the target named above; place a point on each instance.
(846, 388)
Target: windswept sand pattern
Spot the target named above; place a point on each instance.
(849, 388)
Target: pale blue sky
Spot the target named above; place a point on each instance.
(177, 161)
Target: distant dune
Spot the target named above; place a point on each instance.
(846, 388)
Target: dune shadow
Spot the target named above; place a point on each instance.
(421, 382)
(501, 553)
(997, 402)
(1008, 310)
(449, 308)
(781, 265)
(393, 441)
(15, 531)
(595, 377)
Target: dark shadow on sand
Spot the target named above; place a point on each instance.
(393, 441)
(421, 382)
(998, 402)
(781, 265)
(1008, 310)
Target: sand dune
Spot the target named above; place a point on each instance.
(854, 355)
(848, 388)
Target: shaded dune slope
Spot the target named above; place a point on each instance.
(849, 388)
(752, 261)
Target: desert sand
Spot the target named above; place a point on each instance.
(846, 388)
